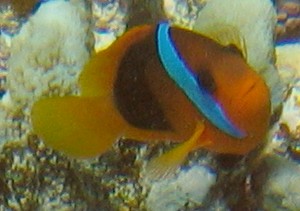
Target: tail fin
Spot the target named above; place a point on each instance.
(77, 126)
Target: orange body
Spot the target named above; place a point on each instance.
(126, 93)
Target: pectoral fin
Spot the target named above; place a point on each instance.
(166, 164)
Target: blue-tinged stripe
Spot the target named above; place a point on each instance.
(188, 83)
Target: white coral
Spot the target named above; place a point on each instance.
(190, 187)
(288, 61)
(46, 59)
(48, 53)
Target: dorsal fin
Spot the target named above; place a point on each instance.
(226, 35)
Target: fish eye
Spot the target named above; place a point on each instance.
(206, 80)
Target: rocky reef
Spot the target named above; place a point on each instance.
(288, 18)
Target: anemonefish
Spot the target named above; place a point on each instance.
(159, 83)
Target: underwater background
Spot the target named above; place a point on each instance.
(44, 45)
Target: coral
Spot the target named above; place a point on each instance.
(4, 55)
(285, 140)
(288, 61)
(183, 13)
(57, 42)
(280, 166)
(8, 21)
(33, 177)
(109, 21)
(288, 27)
(285, 133)
(188, 189)
(291, 109)
(281, 189)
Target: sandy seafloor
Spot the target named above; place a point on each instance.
(43, 46)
